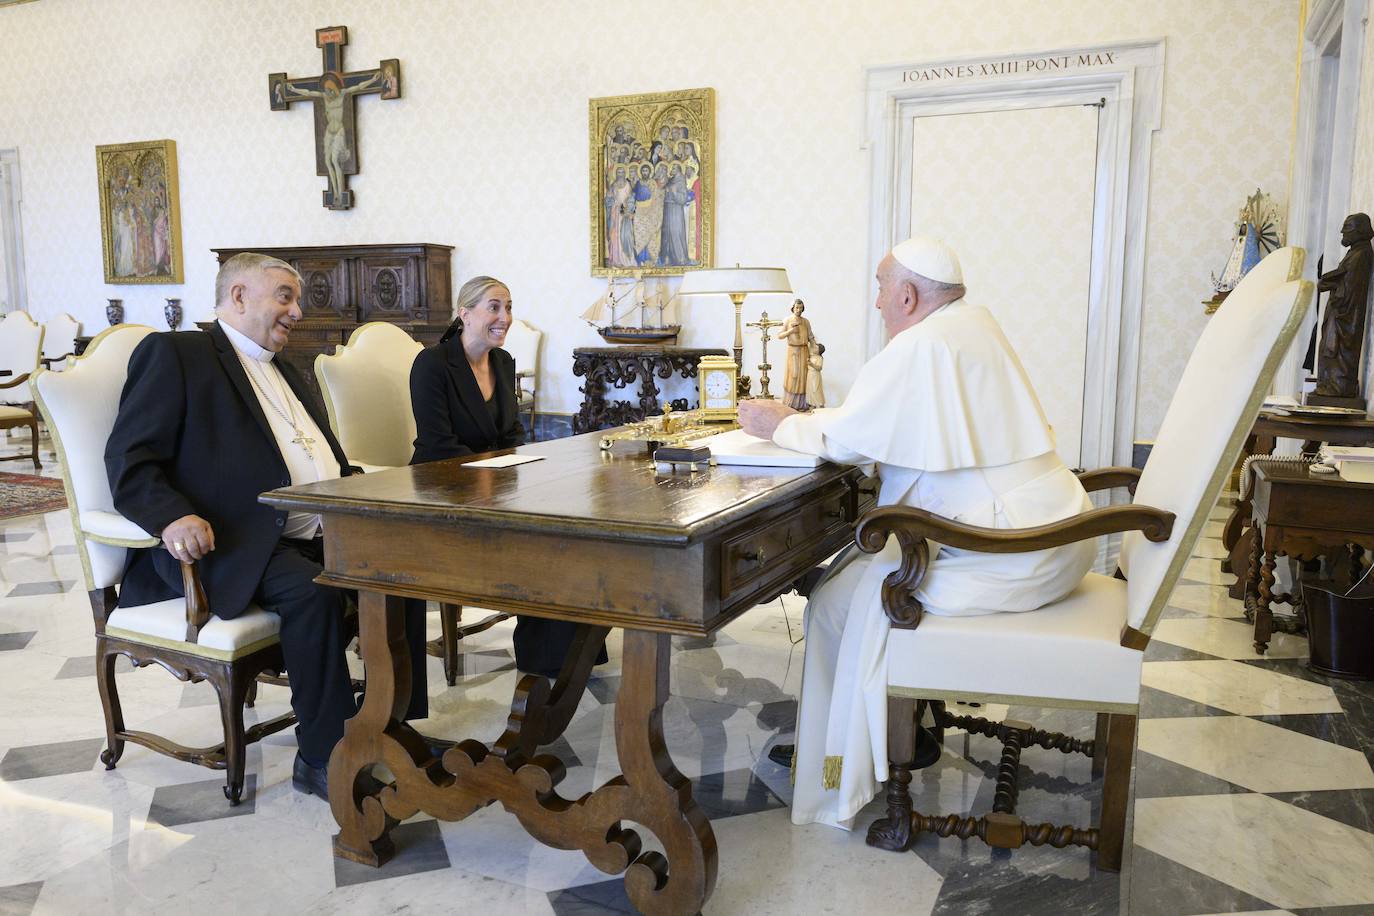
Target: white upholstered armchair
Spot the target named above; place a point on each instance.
(1084, 651)
(366, 389)
(522, 343)
(182, 635)
(21, 343)
(59, 340)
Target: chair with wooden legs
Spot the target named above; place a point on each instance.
(366, 389)
(21, 344)
(1083, 651)
(181, 635)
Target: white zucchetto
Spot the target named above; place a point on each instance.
(931, 258)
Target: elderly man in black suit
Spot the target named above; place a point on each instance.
(207, 422)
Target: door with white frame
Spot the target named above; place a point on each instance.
(1012, 192)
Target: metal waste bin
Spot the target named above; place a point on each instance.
(1340, 628)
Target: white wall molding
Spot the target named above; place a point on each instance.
(11, 219)
(1128, 78)
(1324, 148)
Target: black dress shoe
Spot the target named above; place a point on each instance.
(315, 780)
(781, 754)
(308, 779)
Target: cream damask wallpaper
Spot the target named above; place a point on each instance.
(487, 149)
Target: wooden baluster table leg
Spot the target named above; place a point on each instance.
(1264, 616)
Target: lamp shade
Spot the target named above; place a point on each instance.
(734, 280)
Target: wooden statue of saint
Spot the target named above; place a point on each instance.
(796, 330)
(1343, 322)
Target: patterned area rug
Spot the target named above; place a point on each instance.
(26, 494)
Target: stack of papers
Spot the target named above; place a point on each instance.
(740, 448)
(1354, 464)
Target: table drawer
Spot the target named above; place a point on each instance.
(773, 544)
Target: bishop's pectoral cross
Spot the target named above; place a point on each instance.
(304, 441)
(333, 93)
(764, 324)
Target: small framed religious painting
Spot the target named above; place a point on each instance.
(140, 215)
(652, 178)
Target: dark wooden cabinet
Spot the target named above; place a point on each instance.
(344, 286)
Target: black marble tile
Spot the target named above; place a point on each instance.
(1156, 777)
(1352, 807)
(1015, 884)
(54, 759)
(63, 550)
(192, 802)
(604, 688)
(779, 715)
(29, 589)
(733, 793)
(1162, 887)
(419, 848)
(1356, 697)
(1160, 651)
(19, 899)
(1358, 909)
(1333, 727)
(15, 537)
(12, 641)
(592, 899)
(1159, 704)
(561, 749)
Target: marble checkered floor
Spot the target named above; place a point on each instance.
(1254, 790)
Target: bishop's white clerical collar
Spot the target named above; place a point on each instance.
(245, 344)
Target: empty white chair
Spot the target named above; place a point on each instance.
(182, 635)
(59, 340)
(21, 345)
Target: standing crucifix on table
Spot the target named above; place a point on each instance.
(333, 93)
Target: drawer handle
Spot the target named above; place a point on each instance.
(754, 556)
(835, 515)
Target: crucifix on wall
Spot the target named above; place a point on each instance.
(333, 93)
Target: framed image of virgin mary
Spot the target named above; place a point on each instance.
(140, 214)
(652, 180)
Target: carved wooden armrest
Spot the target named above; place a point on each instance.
(913, 526)
(47, 361)
(197, 605)
(519, 382)
(14, 382)
(1106, 478)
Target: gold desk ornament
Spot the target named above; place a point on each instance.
(764, 324)
(718, 389)
(675, 429)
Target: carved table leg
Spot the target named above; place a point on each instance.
(1264, 616)
(893, 832)
(376, 734)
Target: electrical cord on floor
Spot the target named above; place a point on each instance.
(787, 619)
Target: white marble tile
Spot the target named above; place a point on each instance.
(1213, 529)
(1242, 689)
(57, 821)
(1206, 599)
(1268, 849)
(1202, 569)
(1226, 638)
(182, 869)
(491, 843)
(769, 866)
(1259, 756)
(1211, 548)
(438, 891)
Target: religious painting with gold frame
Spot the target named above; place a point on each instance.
(140, 215)
(653, 174)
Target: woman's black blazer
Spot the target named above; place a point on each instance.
(451, 419)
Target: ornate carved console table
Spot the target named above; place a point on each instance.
(619, 367)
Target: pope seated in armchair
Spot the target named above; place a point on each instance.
(948, 416)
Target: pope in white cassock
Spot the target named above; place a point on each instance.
(947, 415)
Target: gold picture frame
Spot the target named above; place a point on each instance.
(672, 135)
(140, 212)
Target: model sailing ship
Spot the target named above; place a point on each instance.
(613, 313)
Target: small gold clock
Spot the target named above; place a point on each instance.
(717, 392)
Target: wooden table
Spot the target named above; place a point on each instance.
(1303, 516)
(1268, 428)
(592, 537)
